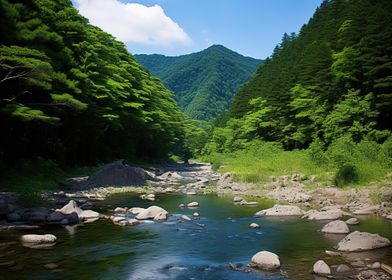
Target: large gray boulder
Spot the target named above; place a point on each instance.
(332, 214)
(281, 210)
(118, 174)
(362, 241)
(266, 260)
(336, 227)
(150, 213)
(69, 208)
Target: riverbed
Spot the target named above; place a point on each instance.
(208, 247)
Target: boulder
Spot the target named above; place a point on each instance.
(89, 214)
(161, 216)
(193, 204)
(266, 260)
(133, 222)
(69, 208)
(336, 227)
(195, 214)
(323, 215)
(321, 268)
(352, 221)
(254, 225)
(342, 268)
(13, 217)
(150, 196)
(237, 199)
(281, 210)
(38, 238)
(117, 219)
(362, 241)
(150, 213)
(117, 174)
(367, 210)
(120, 209)
(135, 210)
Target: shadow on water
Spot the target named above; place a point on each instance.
(180, 250)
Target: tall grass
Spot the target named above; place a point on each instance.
(344, 163)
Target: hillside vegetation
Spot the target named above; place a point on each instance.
(327, 89)
(72, 93)
(203, 83)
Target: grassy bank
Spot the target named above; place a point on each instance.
(28, 179)
(344, 163)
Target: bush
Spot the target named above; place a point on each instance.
(316, 152)
(347, 173)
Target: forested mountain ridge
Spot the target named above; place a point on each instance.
(72, 93)
(333, 78)
(204, 82)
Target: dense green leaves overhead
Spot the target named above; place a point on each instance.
(71, 92)
(203, 83)
(333, 78)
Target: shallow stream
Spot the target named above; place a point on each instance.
(177, 249)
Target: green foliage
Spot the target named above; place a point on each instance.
(71, 92)
(204, 83)
(334, 77)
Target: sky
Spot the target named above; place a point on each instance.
(175, 27)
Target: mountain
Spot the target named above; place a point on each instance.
(333, 79)
(204, 82)
(72, 93)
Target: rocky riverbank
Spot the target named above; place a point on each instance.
(302, 197)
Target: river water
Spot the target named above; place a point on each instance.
(181, 250)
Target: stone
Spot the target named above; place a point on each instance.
(321, 268)
(13, 217)
(336, 227)
(120, 209)
(367, 210)
(181, 205)
(89, 214)
(266, 260)
(55, 217)
(281, 210)
(70, 207)
(185, 218)
(150, 213)
(117, 219)
(332, 253)
(195, 214)
(237, 199)
(193, 204)
(38, 238)
(160, 216)
(361, 241)
(342, 268)
(86, 206)
(323, 215)
(135, 210)
(375, 265)
(254, 225)
(150, 197)
(352, 221)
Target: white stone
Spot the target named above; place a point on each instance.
(185, 218)
(361, 241)
(320, 267)
(352, 221)
(38, 238)
(281, 210)
(335, 227)
(266, 260)
(193, 204)
(254, 225)
(150, 213)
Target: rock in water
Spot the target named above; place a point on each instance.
(362, 241)
(320, 267)
(266, 260)
(160, 216)
(185, 218)
(352, 221)
(150, 213)
(89, 214)
(38, 238)
(281, 210)
(335, 227)
(69, 208)
(254, 225)
(332, 214)
(117, 174)
(193, 204)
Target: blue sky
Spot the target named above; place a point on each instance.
(174, 27)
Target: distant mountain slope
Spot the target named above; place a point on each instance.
(204, 83)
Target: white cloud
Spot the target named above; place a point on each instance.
(133, 23)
